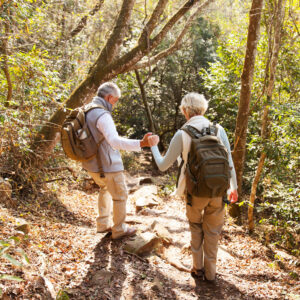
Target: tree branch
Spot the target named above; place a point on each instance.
(82, 23)
(112, 46)
(182, 11)
(177, 44)
(144, 98)
(128, 60)
(149, 27)
(274, 47)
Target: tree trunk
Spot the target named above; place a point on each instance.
(273, 54)
(5, 65)
(253, 191)
(87, 88)
(145, 102)
(245, 94)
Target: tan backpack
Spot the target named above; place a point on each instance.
(76, 138)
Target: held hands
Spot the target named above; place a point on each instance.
(153, 140)
(233, 196)
(148, 137)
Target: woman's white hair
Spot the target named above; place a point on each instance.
(108, 88)
(194, 104)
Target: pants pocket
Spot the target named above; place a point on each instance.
(120, 188)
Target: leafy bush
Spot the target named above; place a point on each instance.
(14, 255)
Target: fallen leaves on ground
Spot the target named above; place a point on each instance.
(69, 257)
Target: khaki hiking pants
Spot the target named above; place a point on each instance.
(112, 189)
(206, 218)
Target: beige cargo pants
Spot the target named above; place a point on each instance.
(112, 189)
(206, 218)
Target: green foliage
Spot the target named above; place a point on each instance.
(222, 80)
(130, 161)
(279, 188)
(62, 295)
(169, 81)
(12, 253)
(169, 187)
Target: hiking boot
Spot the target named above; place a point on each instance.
(210, 281)
(130, 231)
(104, 230)
(197, 273)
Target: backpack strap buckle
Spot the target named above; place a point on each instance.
(205, 131)
(193, 132)
(196, 134)
(213, 129)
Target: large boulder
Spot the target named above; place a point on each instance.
(142, 244)
(162, 232)
(132, 183)
(145, 197)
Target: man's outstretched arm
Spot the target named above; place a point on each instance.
(107, 127)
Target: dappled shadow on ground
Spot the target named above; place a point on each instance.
(48, 206)
(258, 277)
(107, 275)
(114, 274)
(221, 289)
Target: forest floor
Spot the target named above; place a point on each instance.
(69, 260)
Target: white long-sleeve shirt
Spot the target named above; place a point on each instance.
(107, 127)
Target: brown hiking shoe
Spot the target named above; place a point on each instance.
(130, 231)
(197, 273)
(210, 281)
(105, 230)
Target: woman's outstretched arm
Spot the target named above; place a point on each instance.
(175, 149)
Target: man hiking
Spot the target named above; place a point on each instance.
(112, 180)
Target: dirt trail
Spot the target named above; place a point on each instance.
(67, 254)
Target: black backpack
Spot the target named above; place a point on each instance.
(207, 169)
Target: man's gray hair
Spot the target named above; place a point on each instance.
(194, 104)
(108, 88)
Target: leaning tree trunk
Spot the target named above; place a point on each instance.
(265, 133)
(109, 64)
(245, 94)
(4, 55)
(88, 86)
(145, 102)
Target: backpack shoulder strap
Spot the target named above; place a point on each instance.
(88, 108)
(213, 128)
(91, 106)
(193, 132)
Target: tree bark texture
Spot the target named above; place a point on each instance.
(5, 67)
(253, 191)
(82, 23)
(245, 95)
(144, 99)
(108, 65)
(270, 74)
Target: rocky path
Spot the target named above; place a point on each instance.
(69, 259)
